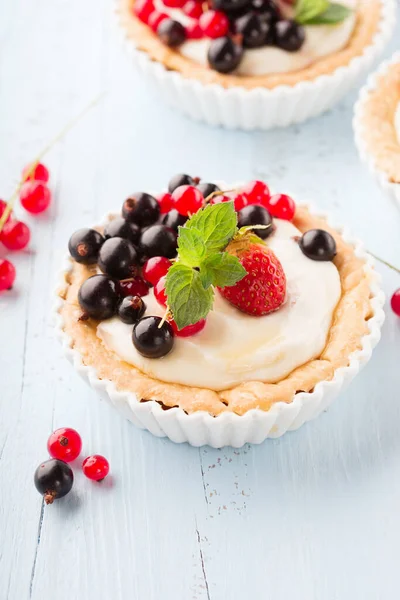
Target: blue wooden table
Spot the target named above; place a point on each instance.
(311, 516)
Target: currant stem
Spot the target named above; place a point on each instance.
(217, 193)
(57, 138)
(165, 317)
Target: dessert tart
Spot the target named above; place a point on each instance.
(377, 125)
(218, 315)
(255, 63)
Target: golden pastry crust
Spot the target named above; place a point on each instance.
(348, 327)
(378, 126)
(368, 16)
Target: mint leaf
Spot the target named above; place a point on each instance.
(191, 247)
(221, 270)
(335, 13)
(216, 223)
(309, 9)
(187, 298)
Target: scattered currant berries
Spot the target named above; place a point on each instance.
(158, 240)
(96, 467)
(131, 309)
(187, 200)
(98, 297)
(35, 197)
(318, 244)
(189, 330)
(39, 173)
(7, 275)
(165, 201)
(65, 444)
(160, 293)
(151, 338)
(395, 302)
(135, 286)
(84, 246)
(257, 192)
(214, 24)
(15, 235)
(155, 268)
(281, 206)
(53, 479)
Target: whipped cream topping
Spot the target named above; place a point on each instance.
(397, 122)
(321, 40)
(235, 347)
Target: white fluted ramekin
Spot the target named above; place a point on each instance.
(391, 189)
(229, 429)
(261, 108)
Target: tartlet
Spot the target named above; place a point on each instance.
(251, 410)
(259, 101)
(377, 125)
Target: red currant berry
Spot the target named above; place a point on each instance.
(155, 268)
(40, 173)
(189, 330)
(257, 192)
(174, 3)
(281, 206)
(143, 9)
(187, 200)
(3, 206)
(160, 293)
(239, 200)
(15, 235)
(7, 275)
(35, 196)
(214, 23)
(155, 19)
(133, 287)
(395, 302)
(193, 9)
(165, 201)
(96, 467)
(65, 444)
(193, 31)
(219, 199)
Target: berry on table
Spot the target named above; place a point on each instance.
(151, 339)
(15, 235)
(135, 286)
(53, 479)
(142, 209)
(224, 55)
(117, 258)
(143, 9)
(193, 9)
(181, 179)
(165, 201)
(155, 19)
(207, 189)
(131, 309)
(96, 467)
(84, 246)
(98, 297)
(187, 200)
(122, 228)
(289, 35)
(254, 214)
(35, 197)
(282, 206)
(189, 330)
(155, 268)
(257, 192)
(173, 220)
(7, 275)
(318, 244)
(171, 32)
(40, 173)
(214, 23)
(158, 240)
(395, 302)
(65, 444)
(159, 292)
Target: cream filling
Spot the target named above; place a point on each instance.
(321, 40)
(235, 347)
(397, 122)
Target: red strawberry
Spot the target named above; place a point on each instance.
(263, 289)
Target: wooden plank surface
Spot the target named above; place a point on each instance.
(313, 515)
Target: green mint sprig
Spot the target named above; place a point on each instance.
(202, 263)
(320, 12)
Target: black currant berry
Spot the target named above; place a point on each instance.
(181, 179)
(224, 55)
(84, 246)
(98, 297)
(267, 8)
(289, 35)
(254, 214)
(228, 6)
(171, 32)
(118, 257)
(318, 244)
(119, 227)
(207, 188)
(158, 240)
(131, 309)
(53, 479)
(254, 30)
(151, 340)
(173, 219)
(142, 209)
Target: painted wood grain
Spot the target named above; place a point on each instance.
(313, 515)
